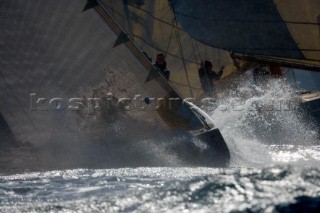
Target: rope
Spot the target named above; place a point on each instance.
(196, 48)
(170, 38)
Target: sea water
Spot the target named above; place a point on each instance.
(274, 167)
(271, 189)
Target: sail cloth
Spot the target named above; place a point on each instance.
(287, 29)
(303, 21)
(55, 60)
(154, 29)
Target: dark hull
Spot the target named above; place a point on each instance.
(218, 149)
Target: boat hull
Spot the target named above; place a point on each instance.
(217, 147)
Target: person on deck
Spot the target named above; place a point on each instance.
(207, 76)
(161, 65)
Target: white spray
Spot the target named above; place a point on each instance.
(254, 118)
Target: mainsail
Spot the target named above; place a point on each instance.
(66, 76)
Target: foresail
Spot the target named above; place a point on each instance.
(63, 78)
(285, 29)
(303, 21)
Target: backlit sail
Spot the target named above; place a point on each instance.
(282, 29)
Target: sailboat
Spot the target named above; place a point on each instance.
(71, 72)
(278, 36)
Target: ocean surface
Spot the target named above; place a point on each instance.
(274, 167)
(271, 189)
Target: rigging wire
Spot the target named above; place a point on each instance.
(198, 58)
(181, 52)
(162, 50)
(170, 38)
(240, 49)
(228, 20)
(196, 50)
(294, 78)
(207, 79)
(307, 61)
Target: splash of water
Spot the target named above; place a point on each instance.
(252, 118)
